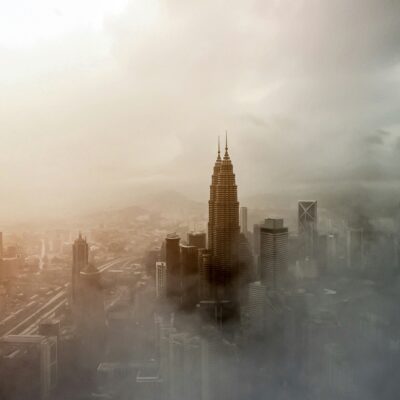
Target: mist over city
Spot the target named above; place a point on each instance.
(200, 200)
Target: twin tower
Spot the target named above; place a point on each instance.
(223, 226)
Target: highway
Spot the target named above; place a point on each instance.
(26, 320)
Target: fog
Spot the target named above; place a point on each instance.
(110, 114)
(100, 102)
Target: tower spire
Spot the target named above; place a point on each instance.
(219, 149)
(226, 156)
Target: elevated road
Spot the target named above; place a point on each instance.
(26, 320)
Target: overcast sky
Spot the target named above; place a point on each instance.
(102, 99)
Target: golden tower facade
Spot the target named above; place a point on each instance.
(224, 226)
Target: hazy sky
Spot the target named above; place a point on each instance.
(102, 99)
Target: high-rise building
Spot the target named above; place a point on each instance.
(211, 202)
(80, 259)
(224, 226)
(308, 227)
(161, 278)
(243, 220)
(206, 279)
(197, 239)
(91, 321)
(172, 256)
(151, 257)
(31, 361)
(256, 245)
(273, 252)
(189, 276)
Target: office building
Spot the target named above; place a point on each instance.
(172, 255)
(161, 279)
(308, 227)
(32, 362)
(189, 276)
(224, 227)
(212, 200)
(90, 317)
(273, 252)
(151, 257)
(80, 259)
(206, 279)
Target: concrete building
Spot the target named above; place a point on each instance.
(273, 252)
(224, 227)
(189, 276)
(161, 279)
(206, 278)
(90, 318)
(31, 362)
(172, 251)
(308, 227)
(80, 259)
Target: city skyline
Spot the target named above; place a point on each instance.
(200, 200)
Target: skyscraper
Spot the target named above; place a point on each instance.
(161, 278)
(172, 252)
(189, 276)
(211, 202)
(224, 225)
(33, 374)
(308, 227)
(274, 252)
(206, 278)
(80, 259)
(243, 220)
(91, 319)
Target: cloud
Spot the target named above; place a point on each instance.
(304, 88)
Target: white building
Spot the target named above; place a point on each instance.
(161, 278)
(273, 252)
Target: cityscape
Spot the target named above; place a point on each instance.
(200, 200)
(234, 310)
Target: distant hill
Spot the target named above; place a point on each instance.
(117, 216)
(170, 203)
